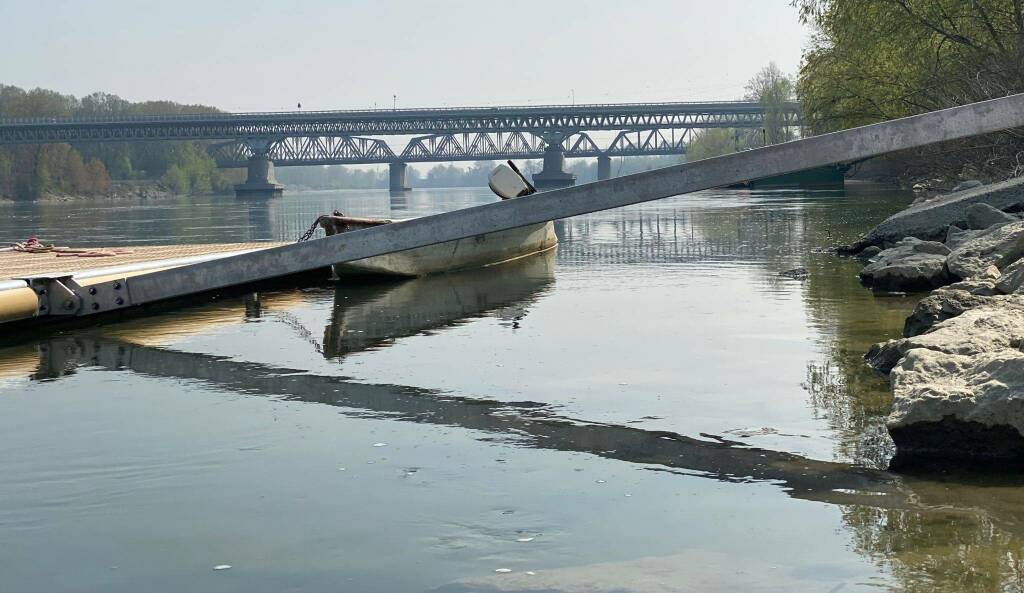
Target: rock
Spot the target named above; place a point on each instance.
(795, 274)
(983, 216)
(931, 219)
(911, 265)
(937, 307)
(869, 252)
(959, 389)
(1012, 278)
(975, 287)
(996, 246)
(965, 185)
(883, 356)
(956, 236)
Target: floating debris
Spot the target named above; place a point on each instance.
(222, 567)
(599, 481)
(795, 274)
(380, 444)
(503, 570)
(525, 539)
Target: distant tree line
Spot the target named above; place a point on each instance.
(33, 171)
(875, 60)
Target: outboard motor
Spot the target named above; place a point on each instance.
(506, 181)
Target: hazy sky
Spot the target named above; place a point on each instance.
(340, 54)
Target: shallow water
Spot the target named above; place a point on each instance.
(652, 408)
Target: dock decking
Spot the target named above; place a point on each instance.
(18, 264)
(19, 301)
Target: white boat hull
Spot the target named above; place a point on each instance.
(471, 252)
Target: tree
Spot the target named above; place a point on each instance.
(874, 60)
(176, 180)
(711, 142)
(98, 182)
(773, 90)
(6, 175)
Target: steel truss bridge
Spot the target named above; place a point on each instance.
(357, 150)
(553, 132)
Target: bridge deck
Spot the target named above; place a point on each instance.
(17, 264)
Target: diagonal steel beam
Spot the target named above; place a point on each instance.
(848, 145)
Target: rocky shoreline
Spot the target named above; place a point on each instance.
(957, 374)
(119, 190)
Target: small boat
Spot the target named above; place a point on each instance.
(472, 252)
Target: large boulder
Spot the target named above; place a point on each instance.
(911, 265)
(956, 236)
(1012, 279)
(938, 307)
(997, 246)
(958, 390)
(980, 287)
(931, 219)
(955, 407)
(982, 216)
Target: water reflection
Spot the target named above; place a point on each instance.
(928, 532)
(931, 533)
(375, 314)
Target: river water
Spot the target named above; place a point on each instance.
(652, 408)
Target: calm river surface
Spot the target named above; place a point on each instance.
(653, 408)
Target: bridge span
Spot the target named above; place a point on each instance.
(261, 141)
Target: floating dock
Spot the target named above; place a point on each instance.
(19, 301)
(70, 290)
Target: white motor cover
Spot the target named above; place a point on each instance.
(507, 183)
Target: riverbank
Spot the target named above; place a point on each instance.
(119, 190)
(958, 371)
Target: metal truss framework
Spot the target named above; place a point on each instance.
(352, 150)
(352, 124)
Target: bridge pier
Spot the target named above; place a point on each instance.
(398, 179)
(553, 174)
(259, 182)
(604, 167)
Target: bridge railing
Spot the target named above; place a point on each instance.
(395, 113)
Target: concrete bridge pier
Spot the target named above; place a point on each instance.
(260, 182)
(553, 174)
(604, 167)
(398, 178)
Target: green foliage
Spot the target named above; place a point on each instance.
(773, 90)
(874, 60)
(711, 143)
(176, 180)
(28, 172)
